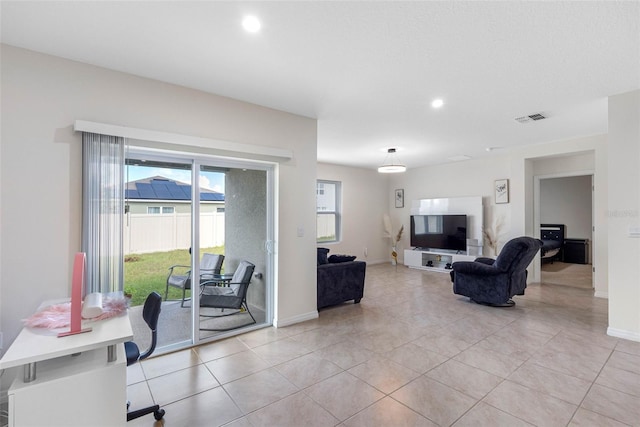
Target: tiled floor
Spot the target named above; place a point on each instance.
(410, 354)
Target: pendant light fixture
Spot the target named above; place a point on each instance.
(391, 164)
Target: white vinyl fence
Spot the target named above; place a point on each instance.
(144, 233)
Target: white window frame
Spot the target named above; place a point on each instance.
(322, 210)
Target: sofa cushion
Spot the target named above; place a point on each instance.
(334, 259)
(322, 256)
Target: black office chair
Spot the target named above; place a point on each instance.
(150, 314)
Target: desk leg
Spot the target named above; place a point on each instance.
(112, 353)
(29, 372)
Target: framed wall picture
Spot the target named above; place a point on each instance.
(502, 190)
(400, 198)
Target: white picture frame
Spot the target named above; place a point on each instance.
(399, 197)
(501, 187)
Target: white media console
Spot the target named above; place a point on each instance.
(433, 260)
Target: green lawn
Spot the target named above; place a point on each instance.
(144, 273)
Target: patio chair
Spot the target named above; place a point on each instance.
(228, 293)
(210, 265)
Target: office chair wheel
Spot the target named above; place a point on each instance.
(158, 414)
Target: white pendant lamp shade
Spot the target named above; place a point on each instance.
(391, 164)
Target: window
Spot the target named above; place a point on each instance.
(328, 211)
(157, 209)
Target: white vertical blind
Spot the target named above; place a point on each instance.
(103, 211)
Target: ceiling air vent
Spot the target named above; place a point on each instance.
(530, 117)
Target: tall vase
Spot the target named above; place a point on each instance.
(394, 256)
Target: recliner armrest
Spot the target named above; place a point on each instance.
(485, 260)
(473, 267)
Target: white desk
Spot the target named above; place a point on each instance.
(81, 379)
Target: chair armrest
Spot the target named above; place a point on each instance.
(472, 267)
(188, 272)
(485, 260)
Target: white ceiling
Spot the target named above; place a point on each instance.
(368, 71)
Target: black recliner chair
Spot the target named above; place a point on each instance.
(150, 314)
(495, 282)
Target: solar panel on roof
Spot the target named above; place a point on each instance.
(131, 194)
(161, 190)
(145, 190)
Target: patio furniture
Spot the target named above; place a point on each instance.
(150, 314)
(210, 264)
(231, 295)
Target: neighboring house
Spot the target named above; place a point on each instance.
(159, 216)
(160, 195)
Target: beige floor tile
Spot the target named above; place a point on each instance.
(412, 319)
(384, 374)
(621, 380)
(415, 357)
(438, 402)
(317, 338)
(556, 384)
(630, 347)
(625, 361)
(483, 415)
(345, 354)
(259, 390)
(135, 374)
(443, 344)
(281, 351)
(343, 395)
(236, 366)
(584, 418)
(139, 396)
(263, 336)
(218, 349)
(308, 370)
(532, 406)
(180, 384)
(491, 361)
(156, 366)
(581, 366)
(211, 408)
(388, 412)
(471, 381)
(613, 404)
(293, 411)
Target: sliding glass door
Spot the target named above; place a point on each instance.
(190, 222)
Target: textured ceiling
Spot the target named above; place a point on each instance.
(368, 71)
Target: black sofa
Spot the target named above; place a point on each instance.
(340, 279)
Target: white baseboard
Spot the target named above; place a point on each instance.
(601, 294)
(621, 333)
(280, 323)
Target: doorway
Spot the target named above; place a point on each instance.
(567, 202)
(167, 236)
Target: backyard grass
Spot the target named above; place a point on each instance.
(145, 273)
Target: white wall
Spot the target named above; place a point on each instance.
(463, 179)
(623, 213)
(567, 201)
(364, 202)
(41, 175)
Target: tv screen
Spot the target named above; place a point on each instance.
(439, 232)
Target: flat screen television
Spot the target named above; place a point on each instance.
(439, 232)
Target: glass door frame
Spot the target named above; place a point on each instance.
(196, 161)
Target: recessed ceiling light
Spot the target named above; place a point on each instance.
(437, 103)
(251, 24)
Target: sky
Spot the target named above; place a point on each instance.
(209, 180)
